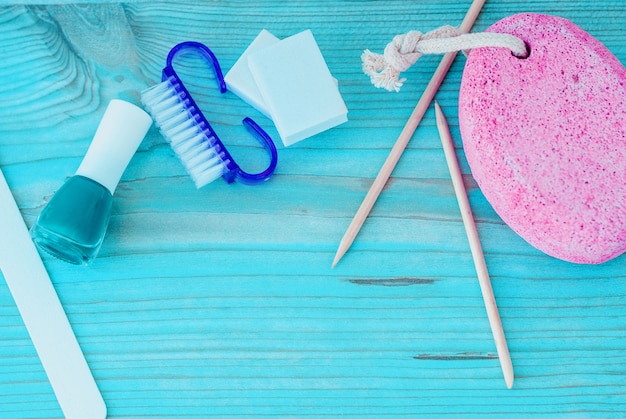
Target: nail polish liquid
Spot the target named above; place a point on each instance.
(73, 224)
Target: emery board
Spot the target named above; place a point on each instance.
(43, 316)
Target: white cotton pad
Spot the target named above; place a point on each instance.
(300, 93)
(239, 80)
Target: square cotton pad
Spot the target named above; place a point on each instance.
(239, 80)
(297, 87)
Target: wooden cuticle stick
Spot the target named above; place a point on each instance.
(475, 247)
(403, 139)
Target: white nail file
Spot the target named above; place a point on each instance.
(43, 315)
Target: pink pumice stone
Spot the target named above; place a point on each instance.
(545, 137)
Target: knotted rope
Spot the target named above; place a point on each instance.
(405, 49)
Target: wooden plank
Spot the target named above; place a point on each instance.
(221, 302)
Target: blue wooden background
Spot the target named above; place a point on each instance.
(222, 302)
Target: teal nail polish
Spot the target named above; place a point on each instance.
(72, 225)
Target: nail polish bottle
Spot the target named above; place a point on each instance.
(72, 225)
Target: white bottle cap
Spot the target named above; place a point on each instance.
(117, 138)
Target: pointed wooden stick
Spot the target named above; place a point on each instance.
(403, 139)
(475, 247)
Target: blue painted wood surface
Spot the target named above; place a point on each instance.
(222, 303)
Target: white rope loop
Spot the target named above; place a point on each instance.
(405, 49)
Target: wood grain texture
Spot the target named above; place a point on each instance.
(221, 302)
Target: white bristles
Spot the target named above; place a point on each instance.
(188, 140)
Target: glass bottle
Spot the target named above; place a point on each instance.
(72, 225)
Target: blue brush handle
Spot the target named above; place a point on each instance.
(234, 172)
